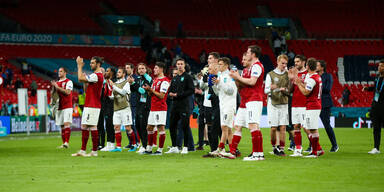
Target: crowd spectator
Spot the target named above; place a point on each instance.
(18, 84)
(25, 68)
(7, 76)
(33, 87)
(203, 58)
(346, 94)
(4, 109)
(277, 45)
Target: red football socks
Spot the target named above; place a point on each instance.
(132, 137)
(95, 139)
(84, 139)
(235, 141)
(67, 134)
(118, 138)
(150, 138)
(298, 139)
(161, 139)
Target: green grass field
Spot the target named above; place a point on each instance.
(34, 164)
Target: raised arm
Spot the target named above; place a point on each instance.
(80, 75)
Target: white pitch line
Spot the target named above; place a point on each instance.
(28, 138)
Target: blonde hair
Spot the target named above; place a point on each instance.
(282, 56)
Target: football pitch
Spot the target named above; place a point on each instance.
(32, 163)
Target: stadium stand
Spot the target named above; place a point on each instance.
(334, 19)
(216, 18)
(117, 56)
(355, 70)
(8, 92)
(54, 17)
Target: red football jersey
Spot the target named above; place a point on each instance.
(160, 85)
(243, 91)
(65, 101)
(298, 99)
(255, 92)
(313, 82)
(93, 93)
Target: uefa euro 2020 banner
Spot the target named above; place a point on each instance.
(69, 39)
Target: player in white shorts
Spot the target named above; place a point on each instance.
(90, 116)
(158, 113)
(63, 115)
(277, 88)
(311, 88)
(122, 114)
(253, 96)
(298, 104)
(225, 88)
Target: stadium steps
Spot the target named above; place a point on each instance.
(340, 72)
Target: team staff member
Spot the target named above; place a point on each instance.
(199, 98)
(106, 113)
(377, 108)
(181, 89)
(64, 114)
(211, 105)
(326, 103)
(143, 102)
(129, 68)
(277, 88)
(89, 120)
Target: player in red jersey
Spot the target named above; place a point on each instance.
(63, 116)
(158, 114)
(311, 88)
(240, 121)
(298, 105)
(90, 117)
(252, 82)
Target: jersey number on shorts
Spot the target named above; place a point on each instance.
(157, 117)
